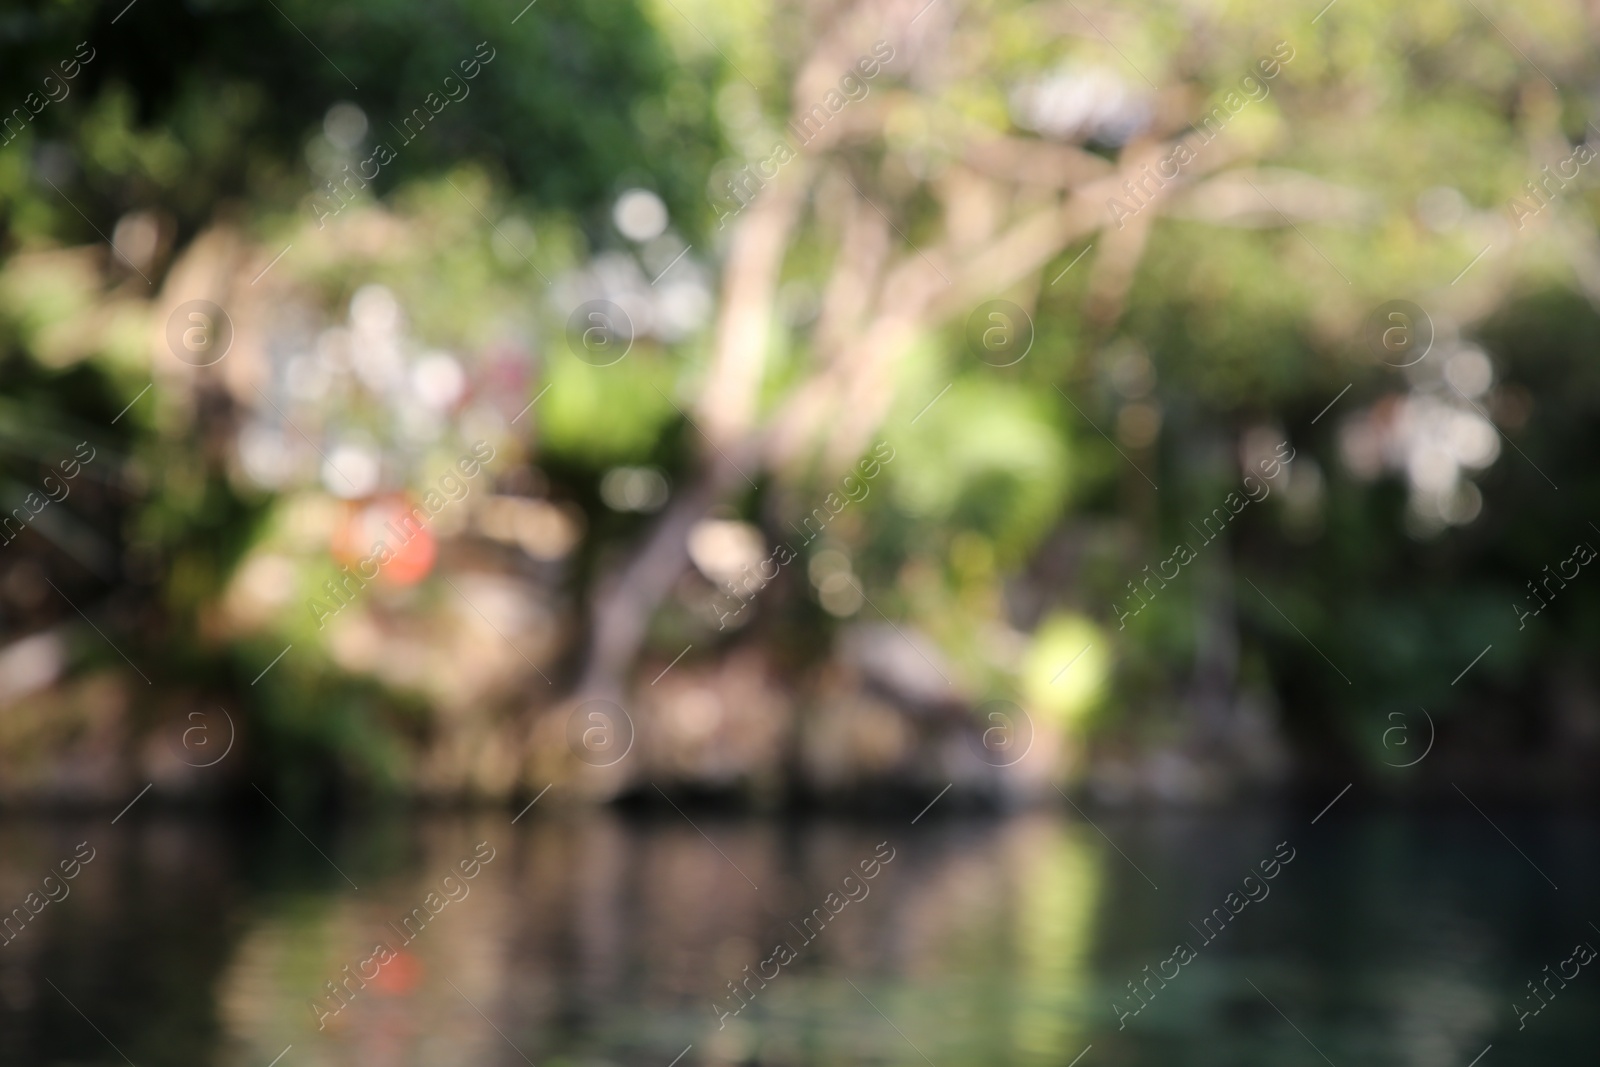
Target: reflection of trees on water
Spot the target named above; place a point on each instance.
(596, 937)
(137, 945)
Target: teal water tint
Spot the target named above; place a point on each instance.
(594, 938)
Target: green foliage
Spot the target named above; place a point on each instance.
(554, 108)
(1246, 306)
(986, 457)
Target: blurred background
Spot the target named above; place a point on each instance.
(685, 444)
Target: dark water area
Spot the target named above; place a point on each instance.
(594, 937)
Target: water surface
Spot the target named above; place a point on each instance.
(601, 938)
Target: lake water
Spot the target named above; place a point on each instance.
(597, 937)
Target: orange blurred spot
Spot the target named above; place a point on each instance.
(392, 522)
(399, 976)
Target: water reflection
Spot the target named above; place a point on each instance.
(599, 938)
